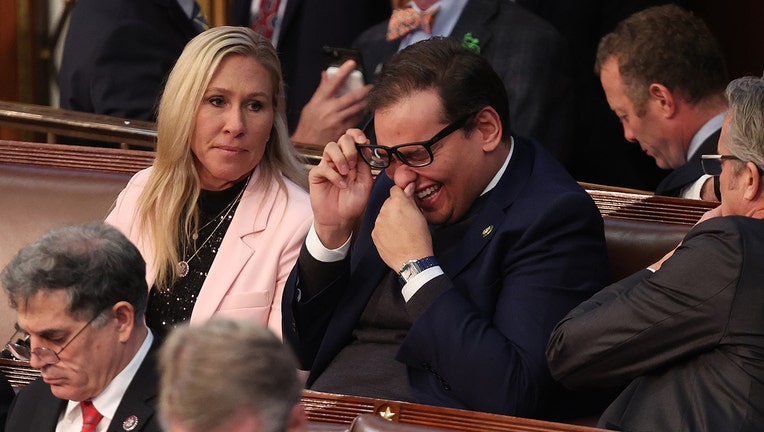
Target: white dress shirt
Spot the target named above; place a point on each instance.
(108, 401)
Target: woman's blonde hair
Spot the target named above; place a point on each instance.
(167, 208)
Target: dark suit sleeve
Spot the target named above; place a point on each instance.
(487, 351)
(129, 70)
(6, 397)
(311, 294)
(648, 321)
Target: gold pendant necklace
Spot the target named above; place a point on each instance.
(183, 265)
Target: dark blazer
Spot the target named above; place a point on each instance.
(308, 26)
(688, 340)
(686, 174)
(117, 54)
(529, 55)
(35, 409)
(534, 250)
(6, 397)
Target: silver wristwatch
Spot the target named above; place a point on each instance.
(414, 267)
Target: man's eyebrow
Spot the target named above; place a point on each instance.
(50, 333)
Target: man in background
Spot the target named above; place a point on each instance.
(528, 54)
(117, 54)
(664, 76)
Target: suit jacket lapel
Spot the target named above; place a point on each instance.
(238, 246)
(46, 413)
(178, 18)
(491, 215)
(690, 171)
(139, 400)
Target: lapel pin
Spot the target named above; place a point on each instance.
(130, 423)
(487, 231)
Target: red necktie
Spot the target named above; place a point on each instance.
(90, 416)
(263, 22)
(404, 21)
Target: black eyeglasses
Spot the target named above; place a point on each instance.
(712, 164)
(46, 355)
(415, 155)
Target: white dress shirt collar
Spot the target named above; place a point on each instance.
(108, 401)
(704, 132)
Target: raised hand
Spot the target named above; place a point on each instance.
(400, 231)
(339, 189)
(328, 114)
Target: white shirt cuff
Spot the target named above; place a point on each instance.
(418, 281)
(318, 251)
(694, 189)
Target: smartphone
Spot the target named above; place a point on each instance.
(334, 58)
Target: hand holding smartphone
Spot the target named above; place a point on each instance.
(335, 57)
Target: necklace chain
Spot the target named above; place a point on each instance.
(183, 265)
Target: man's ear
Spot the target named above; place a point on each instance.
(751, 181)
(488, 125)
(124, 314)
(663, 98)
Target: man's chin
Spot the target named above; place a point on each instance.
(66, 392)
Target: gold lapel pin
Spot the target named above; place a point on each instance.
(487, 231)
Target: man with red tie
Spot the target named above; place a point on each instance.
(80, 294)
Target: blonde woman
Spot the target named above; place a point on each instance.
(222, 213)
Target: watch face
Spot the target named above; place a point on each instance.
(409, 270)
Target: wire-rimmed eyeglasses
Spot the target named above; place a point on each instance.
(417, 155)
(46, 355)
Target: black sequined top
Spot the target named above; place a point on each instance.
(168, 309)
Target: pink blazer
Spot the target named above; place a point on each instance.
(259, 249)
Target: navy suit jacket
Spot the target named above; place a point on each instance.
(117, 54)
(691, 171)
(36, 409)
(529, 55)
(307, 26)
(534, 250)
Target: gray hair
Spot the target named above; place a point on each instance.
(95, 264)
(213, 371)
(745, 127)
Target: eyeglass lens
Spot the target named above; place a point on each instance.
(712, 166)
(413, 155)
(46, 355)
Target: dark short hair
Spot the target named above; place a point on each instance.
(464, 80)
(95, 264)
(666, 45)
